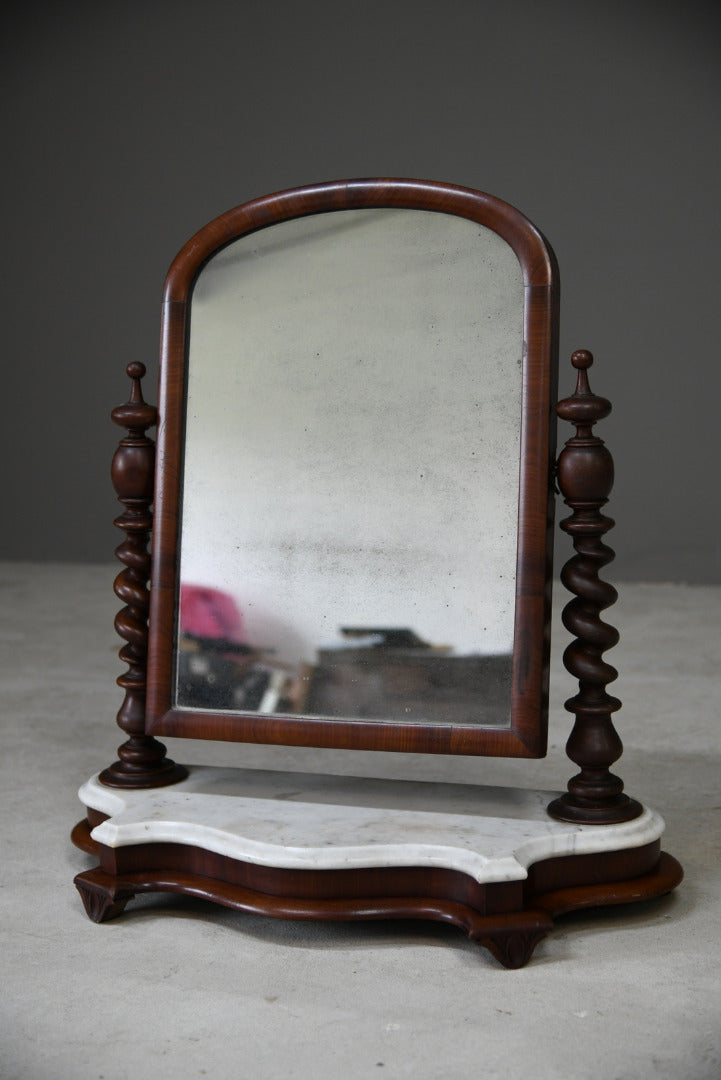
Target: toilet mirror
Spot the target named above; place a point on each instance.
(353, 495)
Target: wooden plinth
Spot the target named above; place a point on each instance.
(509, 909)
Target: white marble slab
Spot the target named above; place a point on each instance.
(305, 821)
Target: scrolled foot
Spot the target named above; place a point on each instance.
(514, 937)
(513, 950)
(100, 898)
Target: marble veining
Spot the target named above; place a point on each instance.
(301, 820)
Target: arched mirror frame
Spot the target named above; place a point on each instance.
(526, 734)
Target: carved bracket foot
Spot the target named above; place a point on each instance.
(513, 947)
(101, 898)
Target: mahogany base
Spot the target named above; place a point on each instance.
(506, 910)
(510, 936)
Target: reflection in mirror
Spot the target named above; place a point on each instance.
(349, 511)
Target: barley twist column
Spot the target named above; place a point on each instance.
(585, 477)
(142, 762)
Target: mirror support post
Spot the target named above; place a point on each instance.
(142, 762)
(585, 478)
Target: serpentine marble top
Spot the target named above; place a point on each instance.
(308, 821)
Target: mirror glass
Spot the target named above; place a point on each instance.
(350, 474)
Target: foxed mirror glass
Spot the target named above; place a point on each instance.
(353, 499)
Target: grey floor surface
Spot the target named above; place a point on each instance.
(181, 989)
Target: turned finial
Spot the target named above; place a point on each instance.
(135, 372)
(135, 415)
(581, 358)
(583, 408)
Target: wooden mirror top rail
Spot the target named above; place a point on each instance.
(525, 735)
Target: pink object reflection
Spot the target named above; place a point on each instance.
(209, 613)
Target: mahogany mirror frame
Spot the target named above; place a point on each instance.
(526, 734)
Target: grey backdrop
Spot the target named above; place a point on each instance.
(128, 125)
